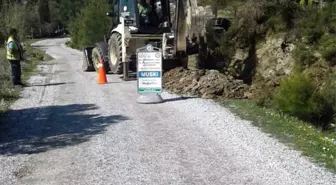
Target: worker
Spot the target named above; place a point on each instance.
(144, 10)
(14, 56)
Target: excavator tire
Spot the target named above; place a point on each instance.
(99, 52)
(115, 54)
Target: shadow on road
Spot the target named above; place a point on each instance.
(179, 99)
(35, 130)
(51, 84)
(43, 46)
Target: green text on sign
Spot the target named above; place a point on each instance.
(148, 90)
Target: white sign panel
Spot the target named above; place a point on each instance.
(149, 71)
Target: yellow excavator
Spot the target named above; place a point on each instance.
(177, 27)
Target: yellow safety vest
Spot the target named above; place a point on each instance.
(143, 10)
(11, 56)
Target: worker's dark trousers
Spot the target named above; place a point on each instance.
(16, 71)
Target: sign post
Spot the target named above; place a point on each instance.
(149, 74)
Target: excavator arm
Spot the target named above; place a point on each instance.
(179, 28)
(189, 26)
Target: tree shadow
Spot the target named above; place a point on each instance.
(35, 130)
(50, 84)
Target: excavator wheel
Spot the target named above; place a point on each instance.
(99, 52)
(115, 54)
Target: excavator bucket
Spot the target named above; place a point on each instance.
(87, 59)
(190, 21)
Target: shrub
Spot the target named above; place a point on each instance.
(327, 47)
(329, 17)
(310, 26)
(275, 24)
(297, 96)
(293, 95)
(329, 90)
(91, 24)
(304, 55)
(19, 16)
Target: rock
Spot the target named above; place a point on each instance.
(248, 95)
(181, 80)
(274, 57)
(197, 76)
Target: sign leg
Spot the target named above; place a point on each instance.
(125, 69)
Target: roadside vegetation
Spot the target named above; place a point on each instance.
(91, 24)
(301, 107)
(29, 19)
(309, 91)
(8, 93)
(319, 146)
(33, 19)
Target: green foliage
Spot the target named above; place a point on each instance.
(306, 2)
(65, 11)
(294, 95)
(329, 17)
(329, 93)
(91, 24)
(304, 55)
(275, 24)
(16, 15)
(311, 27)
(327, 47)
(288, 10)
(297, 96)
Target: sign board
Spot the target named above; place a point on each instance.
(149, 70)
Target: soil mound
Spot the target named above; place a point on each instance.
(204, 83)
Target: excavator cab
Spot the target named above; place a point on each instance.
(143, 16)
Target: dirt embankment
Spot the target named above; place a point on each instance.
(204, 83)
(274, 61)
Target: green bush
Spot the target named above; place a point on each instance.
(304, 55)
(327, 47)
(275, 24)
(297, 96)
(329, 15)
(19, 16)
(329, 90)
(310, 26)
(91, 24)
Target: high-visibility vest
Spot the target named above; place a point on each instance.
(16, 55)
(143, 10)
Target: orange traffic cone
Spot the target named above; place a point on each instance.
(101, 73)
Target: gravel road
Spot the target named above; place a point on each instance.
(68, 130)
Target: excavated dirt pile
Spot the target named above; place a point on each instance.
(204, 83)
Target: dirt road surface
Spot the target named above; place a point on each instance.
(68, 130)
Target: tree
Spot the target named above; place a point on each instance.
(91, 23)
(44, 12)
